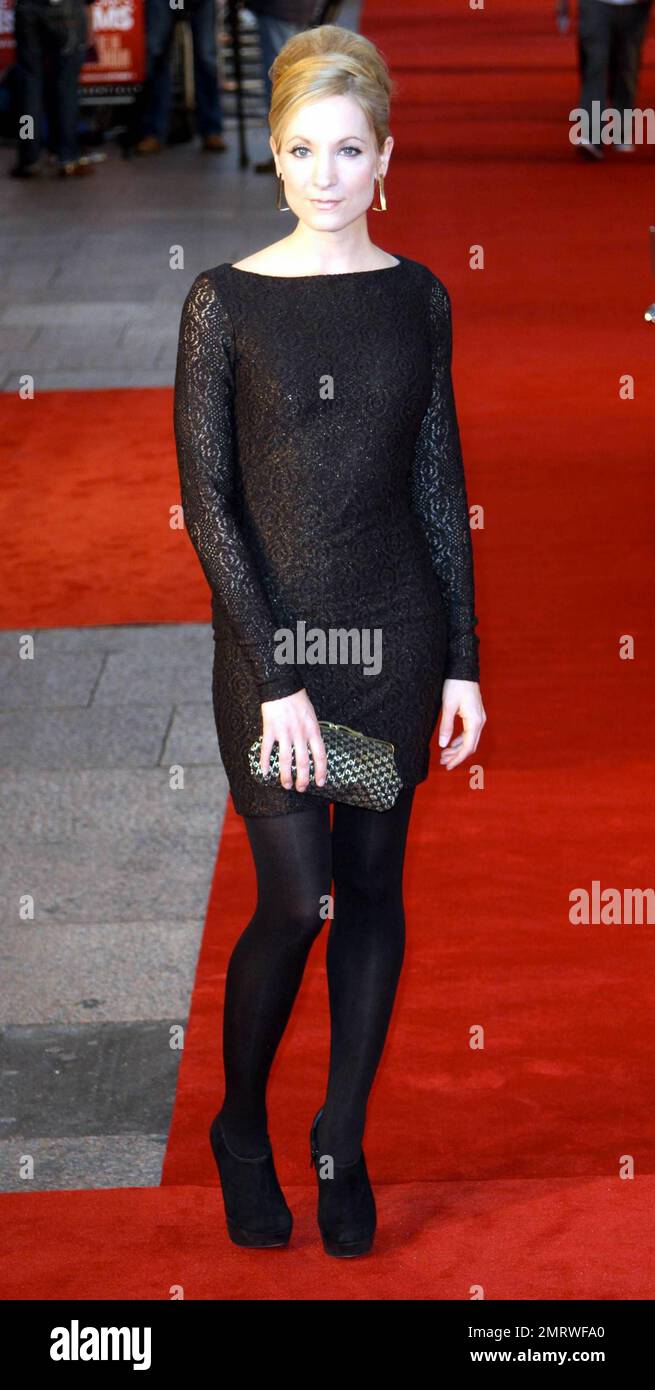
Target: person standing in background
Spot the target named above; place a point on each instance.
(277, 21)
(610, 41)
(160, 27)
(57, 32)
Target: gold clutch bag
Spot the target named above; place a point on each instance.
(360, 770)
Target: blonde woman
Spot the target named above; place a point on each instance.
(322, 484)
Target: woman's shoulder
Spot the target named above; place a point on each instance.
(431, 289)
(208, 295)
(210, 280)
(432, 282)
(207, 309)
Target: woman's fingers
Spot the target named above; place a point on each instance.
(461, 747)
(265, 754)
(285, 758)
(468, 705)
(320, 758)
(291, 723)
(302, 763)
(289, 739)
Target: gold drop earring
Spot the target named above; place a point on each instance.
(383, 201)
(278, 196)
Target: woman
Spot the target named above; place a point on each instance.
(322, 483)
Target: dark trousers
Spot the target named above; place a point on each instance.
(273, 33)
(50, 42)
(610, 40)
(160, 26)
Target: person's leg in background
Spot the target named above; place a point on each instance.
(293, 863)
(630, 25)
(29, 83)
(209, 114)
(160, 25)
(273, 33)
(69, 45)
(594, 40)
(365, 954)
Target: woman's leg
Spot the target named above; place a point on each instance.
(292, 856)
(364, 958)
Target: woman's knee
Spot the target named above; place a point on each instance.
(300, 920)
(296, 910)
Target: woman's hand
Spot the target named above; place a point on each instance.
(463, 698)
(292, 723)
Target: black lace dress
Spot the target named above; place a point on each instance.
(323, 490)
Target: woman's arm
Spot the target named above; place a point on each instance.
(204, 436)
(438, 496)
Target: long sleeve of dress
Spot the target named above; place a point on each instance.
(438, 496)
(206, 453)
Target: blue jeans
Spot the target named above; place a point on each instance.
(273, 34)
(610, 40)
(160, 24)
(50, 42)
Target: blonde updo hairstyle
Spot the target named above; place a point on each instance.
(330, 61)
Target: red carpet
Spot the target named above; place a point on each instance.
(517, 1239)
(496, 1166)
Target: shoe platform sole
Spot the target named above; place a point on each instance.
(346, 1251)
(257, 1240)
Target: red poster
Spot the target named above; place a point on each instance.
(6, 33)
(118, 34)
(119, 37)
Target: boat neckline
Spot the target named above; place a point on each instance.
(321, 275)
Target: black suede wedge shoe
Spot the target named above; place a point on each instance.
(256, 1211)
(346, 1204)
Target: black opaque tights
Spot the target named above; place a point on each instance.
(296, 857)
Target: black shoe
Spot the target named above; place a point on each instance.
(26, 171)
(590, 150)
(255, 1208)
(346, 1204)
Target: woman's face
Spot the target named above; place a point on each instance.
(329, 160)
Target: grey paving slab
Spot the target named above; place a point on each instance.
(133, 845)
(15, 338)
(148, 340)
(161, 878)
(92, 315)
(191, 735)
(54, 678)
(28, 244)
(160, 639)
(94, 379)
(77, 348)
(32, 275)
(91, 973)
(131, 735)
(166, 359)
(108, 1160)
(108, 1078)
(149, 677)
(59, 806)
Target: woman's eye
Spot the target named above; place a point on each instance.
(353, 148)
